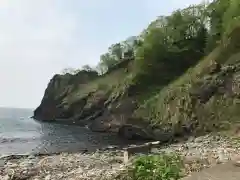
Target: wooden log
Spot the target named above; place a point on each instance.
(142, 149)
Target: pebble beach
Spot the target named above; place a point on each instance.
(197, 153)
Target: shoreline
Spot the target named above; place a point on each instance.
(198, 153)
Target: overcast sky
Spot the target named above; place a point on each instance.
(39, 38)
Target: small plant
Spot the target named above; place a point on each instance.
(156, 167)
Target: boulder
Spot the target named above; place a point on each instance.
(55, 103)
(99, 126)
(134, 133)
(162, 136)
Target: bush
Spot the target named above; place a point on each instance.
(156, 167)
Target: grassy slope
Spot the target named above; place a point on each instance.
(172, 106)
(102, 85)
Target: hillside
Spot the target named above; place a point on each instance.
(181, 78)
(204, 99)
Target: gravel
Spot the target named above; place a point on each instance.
(198, 153)
(205, 151)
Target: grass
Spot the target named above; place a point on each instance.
(155, 167)
(172, 106)
(156, 107)
(104, 84)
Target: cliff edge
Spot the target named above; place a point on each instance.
(181, 78)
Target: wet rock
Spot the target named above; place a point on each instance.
(134, 132)
(161, 136)
(99, 126)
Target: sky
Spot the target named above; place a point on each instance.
(39, 38)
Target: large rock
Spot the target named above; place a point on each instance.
(54, 104)
(161, 136)
(134, 132)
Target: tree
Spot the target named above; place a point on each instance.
(231, 17)
(87, 68)
(69, 71)
(170, 45)
(116, 51)
(216, 11)
(107, 62)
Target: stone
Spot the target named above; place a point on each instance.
(222, 156)
(99, 126)
(159, 135)
(2, 162)
(195, 159)
(6, 177)
(31, 157)
(191, 139)
(48, 177)
(237, 163)
(198, 140)
(134, 132)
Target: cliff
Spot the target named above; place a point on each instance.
(182, 78)
(99, 102)
(54, 104)
(205, 98)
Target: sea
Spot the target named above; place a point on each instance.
(19, 134)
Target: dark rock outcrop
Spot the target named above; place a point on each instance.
(72, 99)
(134, 132)
(53, 105)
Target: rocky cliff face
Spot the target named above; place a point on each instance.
(205, 98)
(96, 102)
(53, 106)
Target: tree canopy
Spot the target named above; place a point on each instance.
(170, 44)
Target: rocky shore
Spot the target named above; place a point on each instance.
(198, 153)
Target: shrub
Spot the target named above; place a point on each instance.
(156, 167)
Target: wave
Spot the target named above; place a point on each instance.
(6, 140)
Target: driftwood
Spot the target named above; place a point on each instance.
(142, 149)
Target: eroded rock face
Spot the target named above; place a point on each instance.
(56, 90)
(104, 111)
(135, 133)
(52, 105)
(98, 109)
(214, 97)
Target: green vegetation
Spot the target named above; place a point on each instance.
(102, 83)
(200, 98)
(154, 167)
(172, 44)
(184, 72)
(168, 61)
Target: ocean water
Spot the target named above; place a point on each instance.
(19, 134)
